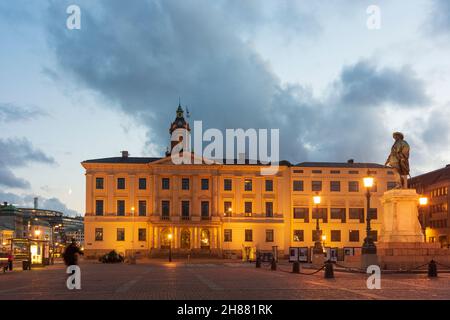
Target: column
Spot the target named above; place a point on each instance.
(132, 197)
(109, 210)
(89, 194)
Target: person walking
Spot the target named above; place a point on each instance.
(71, 253)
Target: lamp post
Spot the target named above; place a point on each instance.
(423, 202)
(368, 246)
(169, 236)
(317, 244)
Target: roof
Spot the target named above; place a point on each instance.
(432, 177)
(340, 165)
(130, 160)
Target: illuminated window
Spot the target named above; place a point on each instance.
(227, 208)
(98, 234)
(299, 236)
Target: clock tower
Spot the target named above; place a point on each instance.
(179, 127)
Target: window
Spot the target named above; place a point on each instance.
(374, 235)
(248, 235)
(120, 207)
(316, 235)
(185, 210)
(142, 208)
(142, 183)
(185, 183)
(391, 185)
(227, 185)
(353, 186)
(373, 213)
(335, 235)
(120, 234)
(301, 213)
(248, 185)
(354, 236)
(269, 235)
(165, 205)
(299, 235)
(205, 184)
(227, 235)
(353, 172)
(98, 207)
(298, 171)
(121, 183)
(165, 183)
(269, 185)
(356, 213)
(98, 183)
(297, 185)
(248, 208)
(269, 209)
(338, 213)
(335, 171)
(316, 171)
(98, 234)
(335, 186)
(227, 208)
(205, 210)
(320, 213)
(142, 234)
(316, 185)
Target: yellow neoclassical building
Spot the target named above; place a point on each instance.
(146, 205)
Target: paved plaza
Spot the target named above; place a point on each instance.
(212, 280)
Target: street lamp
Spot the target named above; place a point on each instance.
(368, 246)
(423, 202)
(318, 249)
(169, 236)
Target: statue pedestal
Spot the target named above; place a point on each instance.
(400, 221)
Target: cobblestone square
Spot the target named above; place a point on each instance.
(212, 280)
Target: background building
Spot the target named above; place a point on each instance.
(435, 217)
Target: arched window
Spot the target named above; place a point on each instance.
(204, 239)
(164, 238)
(185, 239)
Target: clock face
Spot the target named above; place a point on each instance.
(179, 115)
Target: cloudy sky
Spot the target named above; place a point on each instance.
(335, 88)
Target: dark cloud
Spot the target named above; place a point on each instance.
(27, 201)
(10, 112)
(142, 57)
(16, 153)
(439, 17)
(363, 84)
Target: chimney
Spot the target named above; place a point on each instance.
(350, 161)
(36, 202)
(124, 154)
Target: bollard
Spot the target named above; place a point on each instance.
(432, 269)
(296, 267)
(329, 273)
(258, 262)
(273, 266)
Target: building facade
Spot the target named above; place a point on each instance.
(146, 205)
(435, 217)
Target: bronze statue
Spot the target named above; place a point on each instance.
(399, 160)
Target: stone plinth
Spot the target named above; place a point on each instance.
(399, 221)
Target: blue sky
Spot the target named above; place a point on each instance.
(336, 89)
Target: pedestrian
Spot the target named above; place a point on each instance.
(10, 261)
(71, 253)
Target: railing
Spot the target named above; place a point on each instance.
(185, 218)
(206, 217)
(165, 217)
